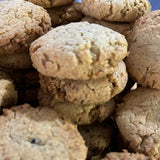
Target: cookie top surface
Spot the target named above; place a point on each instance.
(137, 118)
(89, 91)
(38, 133)
(51, 3)
(78, 51)
(115, 10)
(21, 23)
(144, 50)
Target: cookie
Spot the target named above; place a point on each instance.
(144, 51)
(78, 113)
(78, 51)
(51, 3)
(97, 138)
(126, 156)
(8, 94)
(113, 10)
(137, 118)
(64, 15)
(123, 28)
(86, 92)
(38, 133)
(21, 23)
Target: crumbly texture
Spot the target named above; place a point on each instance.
(51, 3)
(127, 156)
(123, 28)
(64, 15)
(115, 10)
(8, 94)
(97, 137)
(86, 92)
(78, 113)
(38, 133)
(78, 51)
(21, 23)
(144, 48)
(137, 118)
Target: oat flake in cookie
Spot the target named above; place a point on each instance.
(78, 51)
(38, 134)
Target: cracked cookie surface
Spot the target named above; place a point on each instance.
(38, 133)
(138, 120)
(78, 51)
(86, 92)
(78, 113)
(142, 63)
(115, 10)
(21, 23)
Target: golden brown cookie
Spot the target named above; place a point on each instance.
(115, 10)
(38, 134)
(86, 92)
(78, 51)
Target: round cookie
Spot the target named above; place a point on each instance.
(97, 138)
(8, 94)
(137, 118)
(39, 133)
(144, 48)
(115, 10)
(78, 51)
(126, 156)
(123, 28)
(51, 3)
(64, 15)
(21, 23)
(86, 92)
(78, 113)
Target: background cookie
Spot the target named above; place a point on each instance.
(38, 133)
(86, 92)
(137, 118)
(113, 10)
(78, 113)
(144, 50)
(78, 51)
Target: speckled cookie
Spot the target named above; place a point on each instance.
(126, 156)
(21, 23)
(86, 92)
(137, 118)
(97, 138)
(115, 10)
(64, 15)
(123, 28)
(144, 47)
(78, 51)
(78, 113)
(38, 133)
(8, 94)
(51, 3)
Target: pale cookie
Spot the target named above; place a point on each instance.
(78, 51)
(98, 138)
(78, 113)
(38, 134)
(137, 118)
(64, 15)
(126, 156)
(8, 94)
(51, 3)
(142, 63)
(123, 28)
(21, 23)
(115, 10)
(86, 92)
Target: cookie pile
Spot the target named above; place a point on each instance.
(81, 73)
